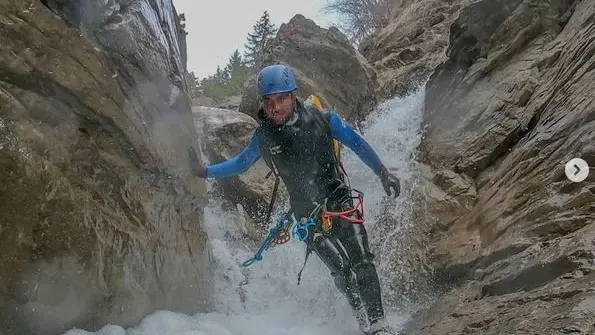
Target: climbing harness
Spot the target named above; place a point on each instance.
(273, 235)
(301, 229)
(347, 214)
(327, 223)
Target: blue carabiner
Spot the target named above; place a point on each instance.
(300, 230)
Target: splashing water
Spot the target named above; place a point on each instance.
(394, 131)
(264, 299)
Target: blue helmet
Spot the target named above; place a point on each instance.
(275, 79)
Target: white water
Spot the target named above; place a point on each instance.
(264, 298)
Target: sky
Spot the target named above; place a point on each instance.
(217, 27)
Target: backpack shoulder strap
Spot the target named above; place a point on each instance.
(269, 162)
(265, 154)
(336, 145)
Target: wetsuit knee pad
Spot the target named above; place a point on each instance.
(358, 250)
(340, 281)
(346, 284)
(364, 268)
(331, 254)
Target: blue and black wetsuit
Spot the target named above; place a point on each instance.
(301, 152)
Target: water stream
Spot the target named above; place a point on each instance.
(264, 299)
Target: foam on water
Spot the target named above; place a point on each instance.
(264, 298)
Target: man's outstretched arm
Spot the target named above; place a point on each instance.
(344, 133)
(237, 164)
(231, 167)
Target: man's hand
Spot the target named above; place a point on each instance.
(197, 168)
(389, 181)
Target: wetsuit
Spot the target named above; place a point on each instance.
(301, 151)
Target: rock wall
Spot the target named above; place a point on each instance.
(514, 239)
(325, 63)
(100, 219)
(406, 51)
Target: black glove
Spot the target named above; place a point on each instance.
(390, 180)
(197, 168)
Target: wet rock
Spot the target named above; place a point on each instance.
(506, 111)
(226, 133)
(203, 101)
(100, 218)
(406, 51)
(232, 103)
(493, 116)
(548, 288)
(451, 195)
(325, 63)
(143, 39)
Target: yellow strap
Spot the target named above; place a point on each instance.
(316, 102)
(336, 145)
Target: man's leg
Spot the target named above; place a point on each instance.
(332, 253)
(334, 257)
(354, 238)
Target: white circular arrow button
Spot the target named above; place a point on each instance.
(576, 170)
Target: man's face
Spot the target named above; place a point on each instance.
(278, 107)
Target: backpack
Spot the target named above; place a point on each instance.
(314, 102)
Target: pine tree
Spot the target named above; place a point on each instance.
(228, 81)
(193, 83)
(221, 76)
(263, 31)
(234, 62)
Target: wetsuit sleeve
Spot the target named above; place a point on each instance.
(239, 163)
(344, 133)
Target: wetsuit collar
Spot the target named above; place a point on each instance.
(294, 117)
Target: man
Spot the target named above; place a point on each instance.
(296, 142)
